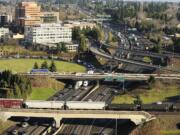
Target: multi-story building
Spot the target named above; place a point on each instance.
(50, 17)
(27, 14)
(49, 33)
(4, 33)
(81, 25)
(5, 19)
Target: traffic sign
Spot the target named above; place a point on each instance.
(120, 79)
(109, 78)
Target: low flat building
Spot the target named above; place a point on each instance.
(4, 33)
(49, 33)
(18, 36)
(72, 47)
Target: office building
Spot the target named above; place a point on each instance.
(48, 33)
(27, 14)
(5, 19)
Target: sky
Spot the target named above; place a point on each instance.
(156, 0)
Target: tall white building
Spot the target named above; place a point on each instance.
(51, 33)
(4, 32)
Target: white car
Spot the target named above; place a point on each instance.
(24, 124)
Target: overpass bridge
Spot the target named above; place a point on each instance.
(119, 77)
(138, 117)
(107, 56)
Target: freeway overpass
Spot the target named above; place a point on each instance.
(138, 117)
(107, 56)
(138, 52)
(107, 76)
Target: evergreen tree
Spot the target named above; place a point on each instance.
(52, 67)
(63, 47)
(44, 65)
(151, 82)
(138, 100)
(110, 37)
(82, 44)
(17, 91)
(35, 66)
(10, 94)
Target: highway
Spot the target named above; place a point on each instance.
(107, 56)
(79, 127)
(97, 52)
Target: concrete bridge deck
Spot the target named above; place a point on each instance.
(138, 117)
(113, 76)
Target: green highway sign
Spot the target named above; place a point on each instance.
(108, 78)
(120, 79)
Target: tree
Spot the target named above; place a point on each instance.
(76, 32)
(63, 47)
(17, 91)
(10, 93)
(52, 67)
(35, 66)
(178, 15)
(44, 65)
(151, 81)
(137, 100)
(147, 59)
(82, 43)
(97, 34)
(110, 37)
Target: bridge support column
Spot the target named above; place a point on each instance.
(58, 121)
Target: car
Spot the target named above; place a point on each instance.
(26, 119)
(23, 133)
(24, 124)
(14, 132)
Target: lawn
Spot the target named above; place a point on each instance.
(25, 65)
(170, 132)
(41, 93)
(149, 96)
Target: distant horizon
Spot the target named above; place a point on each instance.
(131, 0)
(155, 0)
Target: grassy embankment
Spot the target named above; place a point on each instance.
(43, 87)
(25, 65)
(160, 126)
(149, 96)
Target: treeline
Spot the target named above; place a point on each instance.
(16, 86)
(126, 11)
(82, 35)
(44, 65)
